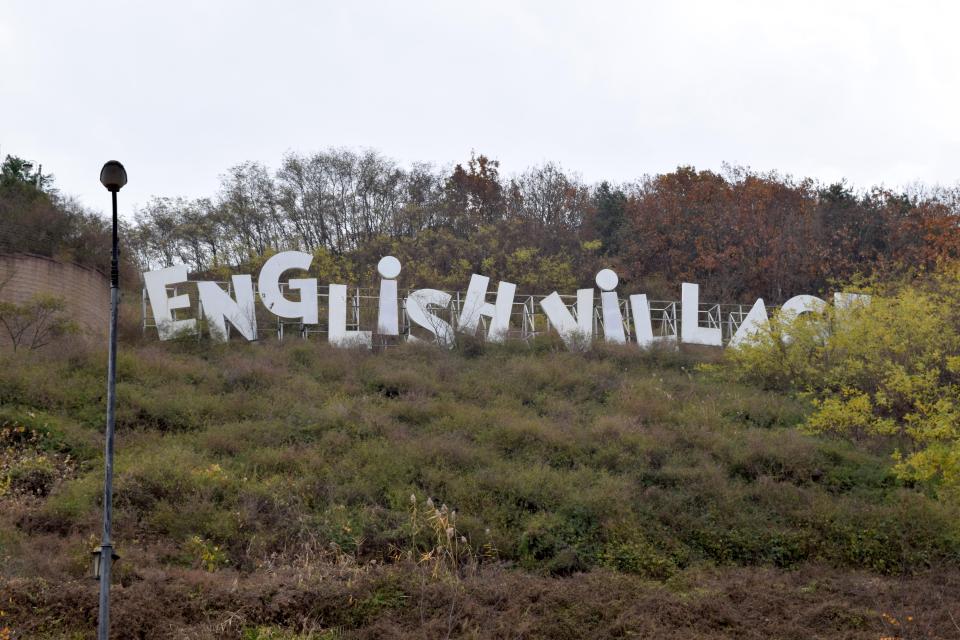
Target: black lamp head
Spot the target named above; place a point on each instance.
(113, 176)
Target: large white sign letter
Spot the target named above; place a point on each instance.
(753, 325)
(156, 283)
(388, 323)
(690, 329)
(475, 305)
(610, 305)
(337, 333)
(418, 306)
(218, 307)
(269, 285)
(575, 332)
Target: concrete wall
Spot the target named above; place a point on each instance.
(86, 291)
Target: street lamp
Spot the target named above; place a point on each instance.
(113, 176)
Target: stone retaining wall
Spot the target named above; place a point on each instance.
(85, 291)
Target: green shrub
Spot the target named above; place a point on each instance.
(34, 475)
(205, 554)
(887, 371)
(638, 557)
(561, 462)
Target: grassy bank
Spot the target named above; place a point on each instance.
(274, 489)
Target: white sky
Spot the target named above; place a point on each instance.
(180, 91)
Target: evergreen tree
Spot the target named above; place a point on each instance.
(609, 217)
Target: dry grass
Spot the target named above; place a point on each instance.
(405, 601)
(264, 491)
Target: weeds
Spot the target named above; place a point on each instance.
(297, 463)
(436, 543)
(206, 555)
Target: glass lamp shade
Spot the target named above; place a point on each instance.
(113, 176)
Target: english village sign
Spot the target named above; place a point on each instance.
(422, 305)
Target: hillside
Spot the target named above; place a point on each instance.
(281, 491)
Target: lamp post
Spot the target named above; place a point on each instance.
(112, 176)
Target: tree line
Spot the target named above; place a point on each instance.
(36, 218)
(740, 233)
(338, 201)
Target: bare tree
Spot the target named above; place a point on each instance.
(35, 323)
(547, 195)
(248, 202)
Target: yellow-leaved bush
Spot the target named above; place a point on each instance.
(887, 370)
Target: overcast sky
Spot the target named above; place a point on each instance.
(180, 91)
